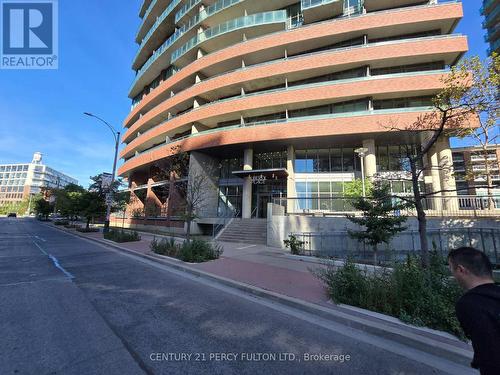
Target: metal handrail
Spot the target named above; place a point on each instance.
(218, 227)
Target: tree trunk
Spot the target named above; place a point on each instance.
(375, 260)
(88, 223)
(188, 230)
(422, 220)
(422, 232)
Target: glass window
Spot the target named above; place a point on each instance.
(303, 163)
(323, 161)
(382, 158)
(337, 188)
(336, 159)
(394, 158)
(397, 187)
(348, 159)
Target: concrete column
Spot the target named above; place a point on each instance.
(446, 173)
(370, 158)
(291, 190)
(247, 184)
(436, 178)
(446, 164)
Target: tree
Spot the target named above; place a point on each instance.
(354, 189)
(456, 110)
(69, 201)
(19, 208)
(482, 98)
(195, 195)
(379, 222)
(192, 182)
(42, 207)
(93, 205)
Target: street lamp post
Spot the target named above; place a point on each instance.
(361, 153)
(109, 196)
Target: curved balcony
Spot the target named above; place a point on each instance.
(188, 9)
(267, 22)
(309, 95)
(148, 20)
(441, 16)
(445, 48)
(194, 21)
(371, 5)
(318, 10)
(144, 7)
(289, 129)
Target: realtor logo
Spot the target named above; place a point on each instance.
(29, 34)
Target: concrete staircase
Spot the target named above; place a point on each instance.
(251, 231)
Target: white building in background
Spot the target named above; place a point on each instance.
(19, 181)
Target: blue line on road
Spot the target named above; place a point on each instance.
(55, 261)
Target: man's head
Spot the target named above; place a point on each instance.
(470, 267)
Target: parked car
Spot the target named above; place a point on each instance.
(12, 214)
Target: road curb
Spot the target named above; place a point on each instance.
(414, 337)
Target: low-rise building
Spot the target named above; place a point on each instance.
(469, 165)
(19, 181)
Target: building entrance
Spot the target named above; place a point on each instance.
(264, 194)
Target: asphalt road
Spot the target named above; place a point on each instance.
(70, 306)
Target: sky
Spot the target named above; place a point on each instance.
(42, 110)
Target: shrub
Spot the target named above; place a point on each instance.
(72, 226)
(87, 230)
(197, 251)
(294, 244)
(165, 247)
(61, 222)
(119, 235)
(408, 292)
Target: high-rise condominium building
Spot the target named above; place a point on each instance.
(491, 12)
(278, 95)
(19, 181)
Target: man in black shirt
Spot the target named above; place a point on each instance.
(478, 310)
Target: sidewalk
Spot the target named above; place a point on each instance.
(272, 274)
(265, 267)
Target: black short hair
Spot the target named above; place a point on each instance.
(474, 260)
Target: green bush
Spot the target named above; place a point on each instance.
(165, 246)
(294, 244)
(87, 230)
(61, 222)
(119, 235)
(197, 251)
(409, 292)
(72, 226)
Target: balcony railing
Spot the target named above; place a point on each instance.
(306, 4)
(443, 206)
(280, 121)
(226, 27)
(161, 50)
(185, 9)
